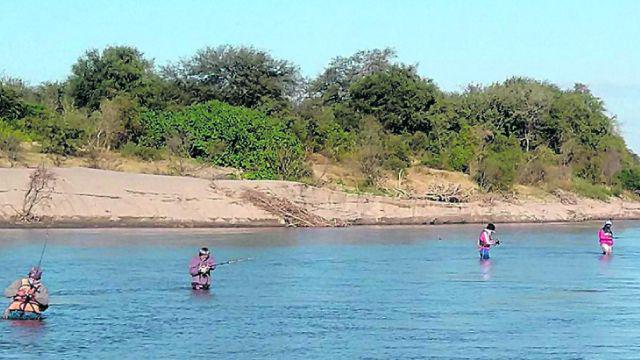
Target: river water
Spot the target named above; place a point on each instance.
(360, 292)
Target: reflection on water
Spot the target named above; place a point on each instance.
(485, 266)
(366, 292)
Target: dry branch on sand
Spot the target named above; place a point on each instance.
(292, 214)
(566, 198)
(452, 193)
(40, 188)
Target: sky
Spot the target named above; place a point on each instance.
(453, 42)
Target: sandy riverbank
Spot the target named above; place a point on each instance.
(97, 198)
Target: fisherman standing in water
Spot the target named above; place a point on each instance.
(200, 268)
(605, 238)
(30, 297)
(485, 241)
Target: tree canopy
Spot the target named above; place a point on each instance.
(242, 76)
(114, 71)
(239, 106)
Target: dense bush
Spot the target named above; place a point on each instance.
(60, 135)
(141, 152)
(590, 190)
(630, 178)
(497, 166)
(10, 142)
(230, 136)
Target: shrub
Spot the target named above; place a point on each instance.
(59, 137)
(10, 140)
(629, 178)
(593, 191)
(371, 153)
(539, 166)
(230, 136)
(397, 153)
(146, 153)
(497, 167)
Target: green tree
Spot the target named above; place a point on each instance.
(241, 76)
(332, 85)
(12, 105)
(115, 71)
(397, 96)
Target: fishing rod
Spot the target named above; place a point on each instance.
(233, 261)
(44, 247)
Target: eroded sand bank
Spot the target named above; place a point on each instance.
(88, 197)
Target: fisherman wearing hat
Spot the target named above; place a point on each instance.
(200, 268)
(30, 297)
(486, 241)
(605, 237)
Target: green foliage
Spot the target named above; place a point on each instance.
(332, 86)
(589, 190)
(538, 166)
(230, 136)
(61, 135)
(630, 178)
(370, 154)
(397, 96)
(241, 76)
(10, 142)
(325, 135)
(146, 153)
(116, 123)
(397, 153)
(367, 106)
(497, 166)
(114, 71)
(11, 104)
(8, 130)
(14, 102)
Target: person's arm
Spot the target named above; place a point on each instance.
(194, 267)
(42, 296)
(495, 241)
(211, 263)
(12, 290)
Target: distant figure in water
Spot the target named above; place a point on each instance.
(605, 237)
(200, 268)
(485, 241)
(30, 297)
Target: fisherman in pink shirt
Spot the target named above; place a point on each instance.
(605, 237)
(485, 241)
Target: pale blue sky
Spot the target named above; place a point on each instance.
(454, 42)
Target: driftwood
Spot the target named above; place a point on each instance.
(566, 198)
(452, 193)
(292, 214)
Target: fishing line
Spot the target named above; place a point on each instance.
(44, 247)
(232, 261)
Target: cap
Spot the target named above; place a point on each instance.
(35, 273)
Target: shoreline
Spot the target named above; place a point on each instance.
(89, 198)
(79, 225)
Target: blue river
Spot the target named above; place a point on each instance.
(350, 293)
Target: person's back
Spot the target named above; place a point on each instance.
(29, 297)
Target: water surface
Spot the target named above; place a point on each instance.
(360, 292)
